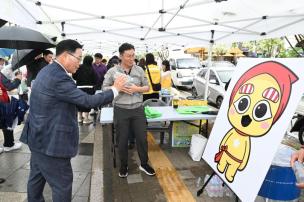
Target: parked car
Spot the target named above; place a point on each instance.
(183, 70)
(218, 78)
(218, 64)
(222, 64)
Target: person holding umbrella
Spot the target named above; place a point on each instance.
(8, 85)
(35, 67)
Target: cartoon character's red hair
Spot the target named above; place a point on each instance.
(282, 74)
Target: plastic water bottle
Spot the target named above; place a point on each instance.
(130, 79)
(218, 187)
(212, 191)
(299, 171)
(220, 191)
(198, 182)
(228, 192)
(207, 188)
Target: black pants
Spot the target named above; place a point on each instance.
(134, 119)
(131, 138)
(57, 172)
(8, 138)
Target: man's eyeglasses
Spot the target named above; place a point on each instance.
(78, 58)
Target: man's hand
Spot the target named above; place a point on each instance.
(300, 185)
(297, 156)
(120, 82)
(1, 91)
(130, 89)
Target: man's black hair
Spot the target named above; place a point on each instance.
(98, 55)
(46, 52)
(124, 47)
(67, 45)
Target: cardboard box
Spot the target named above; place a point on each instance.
(182, 132)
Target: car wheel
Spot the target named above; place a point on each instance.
(194, 92)
(219, 101)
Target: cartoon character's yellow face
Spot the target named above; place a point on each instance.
(255, 105)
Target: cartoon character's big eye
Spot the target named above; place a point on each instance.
(242, 104)
(262, 111)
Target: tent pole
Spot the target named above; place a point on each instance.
(209, 64)
(180, 8)
(152, 26)
(162, 15)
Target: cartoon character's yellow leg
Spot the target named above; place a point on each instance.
(231, 170)
(222, 164)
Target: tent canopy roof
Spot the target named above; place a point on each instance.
(149, 24)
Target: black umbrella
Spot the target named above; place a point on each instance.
(24, 57)
(23, 38)
(2, 22)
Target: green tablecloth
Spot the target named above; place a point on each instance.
(192, 109)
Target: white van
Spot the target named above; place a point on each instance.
(183, 70)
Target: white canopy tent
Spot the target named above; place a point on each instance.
(151, 24)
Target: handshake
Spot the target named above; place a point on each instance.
(124, 84)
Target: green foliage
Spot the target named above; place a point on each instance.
(290, 53)
(266, 47)
(220, 49)
(271, 47)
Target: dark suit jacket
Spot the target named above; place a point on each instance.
(51, 127)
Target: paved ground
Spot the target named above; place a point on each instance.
(176, 173)
(139, 187)
(14, 167)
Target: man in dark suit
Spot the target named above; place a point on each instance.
(51, 130)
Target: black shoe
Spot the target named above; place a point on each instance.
(123, 171)
(131, 146)
(147, 169)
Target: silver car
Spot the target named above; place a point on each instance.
(183, 71)
(219, 76)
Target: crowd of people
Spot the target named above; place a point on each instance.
(62, 87)
(75, 84)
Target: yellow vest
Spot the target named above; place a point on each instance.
(166, 82)
(155, 76)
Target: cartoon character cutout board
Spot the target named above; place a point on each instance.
(259, 103)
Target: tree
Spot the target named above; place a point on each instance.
(266, 47)
(271, 47)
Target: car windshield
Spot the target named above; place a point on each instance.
(222, 64)
(186, 63)
(225, 75)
